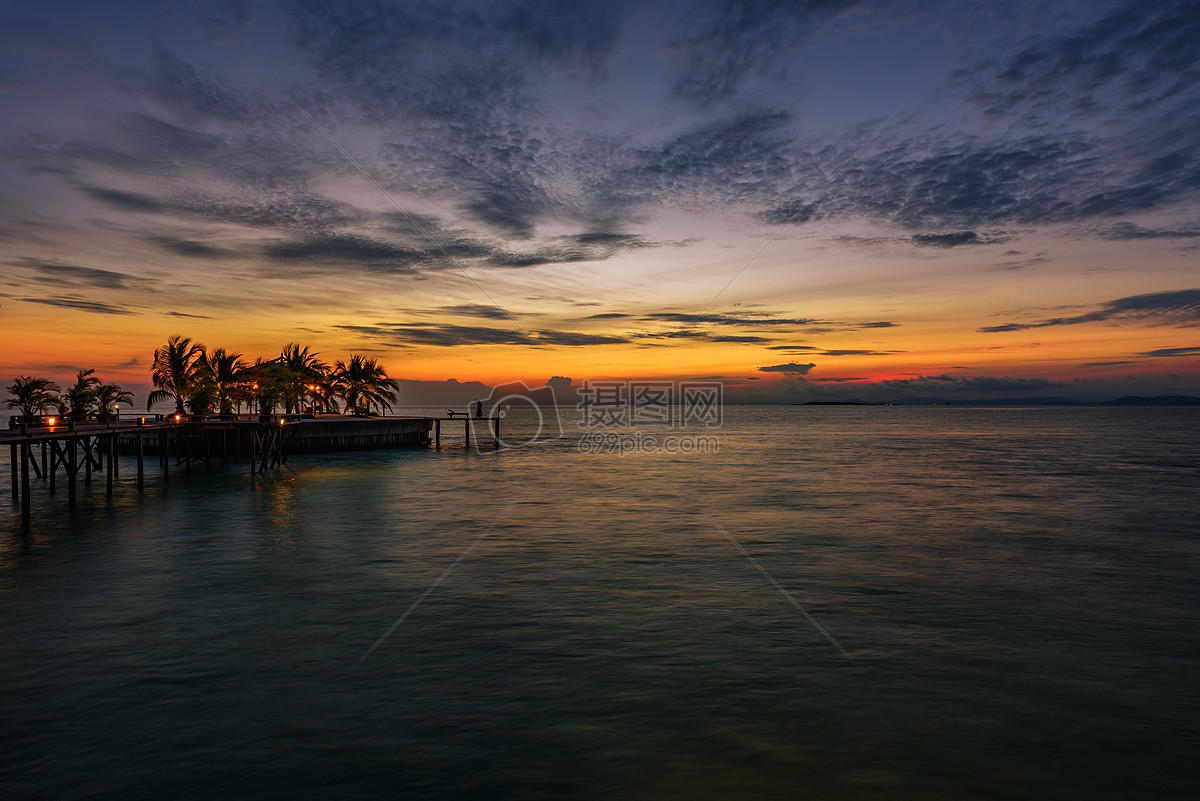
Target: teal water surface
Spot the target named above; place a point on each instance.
(988, 603)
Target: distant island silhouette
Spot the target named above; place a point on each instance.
(1125, 400)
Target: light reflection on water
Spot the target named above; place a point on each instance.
(1017, 585)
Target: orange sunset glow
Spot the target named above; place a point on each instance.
(876, 247)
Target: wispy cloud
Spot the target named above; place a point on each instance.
(1177, 308)
(75, 276)
(1171, 352)
(80, 304)
(449, 335)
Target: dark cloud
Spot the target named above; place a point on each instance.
(484, 53)
(478, 310)
(746, 320)
(725, 43)
(793, 347)
(953, 180)
(80, 304)
(760, 320)
(736, 338)
(71, 275)
(194, 90)
(295, 210)
(732, 159)
(1018, 264)
(443, 335)
(956, 239)
(790, 368)
(1178, 308)
(1136, 56)
(469, 74)
(190, 247)
(403, 248)
(1186, 351)
(124, 201)
(682, 333)
(1104, 364)
(349, 249)
(571, 338)
(1128, 230)
(440, 335)
(857, 352)
(191, 316)
(605, 315)
(608, 238)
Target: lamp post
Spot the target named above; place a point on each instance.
(118, 410)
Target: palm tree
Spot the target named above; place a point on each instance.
(109, 395)
(305, 371)
(268, 378)
(174, 371)
(80, 396)
(224, 372)
(200, 399)
(32, 395)
(323, 394)
(364, 385)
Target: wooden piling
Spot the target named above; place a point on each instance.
(141, 478)
(16, 481)
(72, 467)
(56, 458)
(25, 480)
(108, 473)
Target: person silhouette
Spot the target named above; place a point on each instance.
(478, 408)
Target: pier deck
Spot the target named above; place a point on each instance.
(264, 441)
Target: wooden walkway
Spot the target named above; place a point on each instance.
(80, 449)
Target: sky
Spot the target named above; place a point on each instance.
(807, 200)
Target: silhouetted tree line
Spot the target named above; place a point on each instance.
(200, 381)
(88, 395)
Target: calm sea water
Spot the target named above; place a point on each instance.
(1014, 591)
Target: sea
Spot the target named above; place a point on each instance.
(868, 602)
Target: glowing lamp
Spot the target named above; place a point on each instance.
(52, 420)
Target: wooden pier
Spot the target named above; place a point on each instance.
(80, 449)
